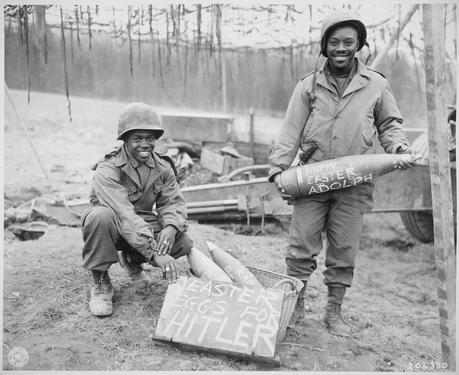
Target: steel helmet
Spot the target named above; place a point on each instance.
(139, 116)
(341, 18)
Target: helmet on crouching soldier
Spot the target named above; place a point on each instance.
(139, 116)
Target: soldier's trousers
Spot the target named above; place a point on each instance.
(340, 215)
(102, 240)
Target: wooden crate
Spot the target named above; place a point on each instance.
(222, 164)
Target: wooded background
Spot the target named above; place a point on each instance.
(177, 55)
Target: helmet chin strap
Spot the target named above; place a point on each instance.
(369, 52)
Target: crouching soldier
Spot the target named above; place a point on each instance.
(136, 208)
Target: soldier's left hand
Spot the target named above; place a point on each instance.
(410, 163)
(166, 240)
(168, 265)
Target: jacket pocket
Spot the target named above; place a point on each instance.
(133, 192)
(368, 132)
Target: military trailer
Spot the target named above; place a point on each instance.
(245, 193)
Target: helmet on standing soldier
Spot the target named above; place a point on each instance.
(139, 116)
(341, 18)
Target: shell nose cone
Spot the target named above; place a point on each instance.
(211, 246)
(416, 157)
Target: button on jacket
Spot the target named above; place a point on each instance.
(117, 185)
(338, 126)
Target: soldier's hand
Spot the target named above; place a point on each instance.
(166, 240)
(168, 265)
(280, 188)
(277, 182)
(409, 163)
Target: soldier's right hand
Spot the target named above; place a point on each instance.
(285, 196)
(277, 182)
(168, 265)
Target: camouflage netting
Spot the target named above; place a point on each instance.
(234, 56)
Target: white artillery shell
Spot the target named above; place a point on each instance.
(233, 267)
(205, 268)
(339, 173)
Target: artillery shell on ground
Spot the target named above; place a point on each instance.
(233, 267)
(205, 268)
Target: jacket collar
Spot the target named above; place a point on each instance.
(125, 158)
(135, 163)
(128, 163)
(360, 79)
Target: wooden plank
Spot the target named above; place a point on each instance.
(221, 316)
(275, 361)
(445, 260)
(196, 127)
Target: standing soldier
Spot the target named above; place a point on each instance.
(136, 208)
(335, 111)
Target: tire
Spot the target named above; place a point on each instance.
(419, 224)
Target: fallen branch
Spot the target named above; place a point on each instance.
(65, 68)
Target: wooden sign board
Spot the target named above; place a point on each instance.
(221, 317)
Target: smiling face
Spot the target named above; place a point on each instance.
(342, 45)
(140, 143)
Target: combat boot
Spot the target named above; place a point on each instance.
(332, 319)
(334, 322)
(299, 312)
(140, 279)
(101, 303)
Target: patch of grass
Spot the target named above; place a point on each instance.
(52, 313)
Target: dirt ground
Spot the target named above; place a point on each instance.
(391, 307)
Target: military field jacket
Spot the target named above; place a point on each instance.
(335, 126)
(116, 185)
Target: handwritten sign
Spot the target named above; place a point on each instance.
(221, 316)
(331, 176)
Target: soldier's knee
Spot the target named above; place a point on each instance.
(99, 216)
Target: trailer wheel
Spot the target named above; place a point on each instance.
(419, 224)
